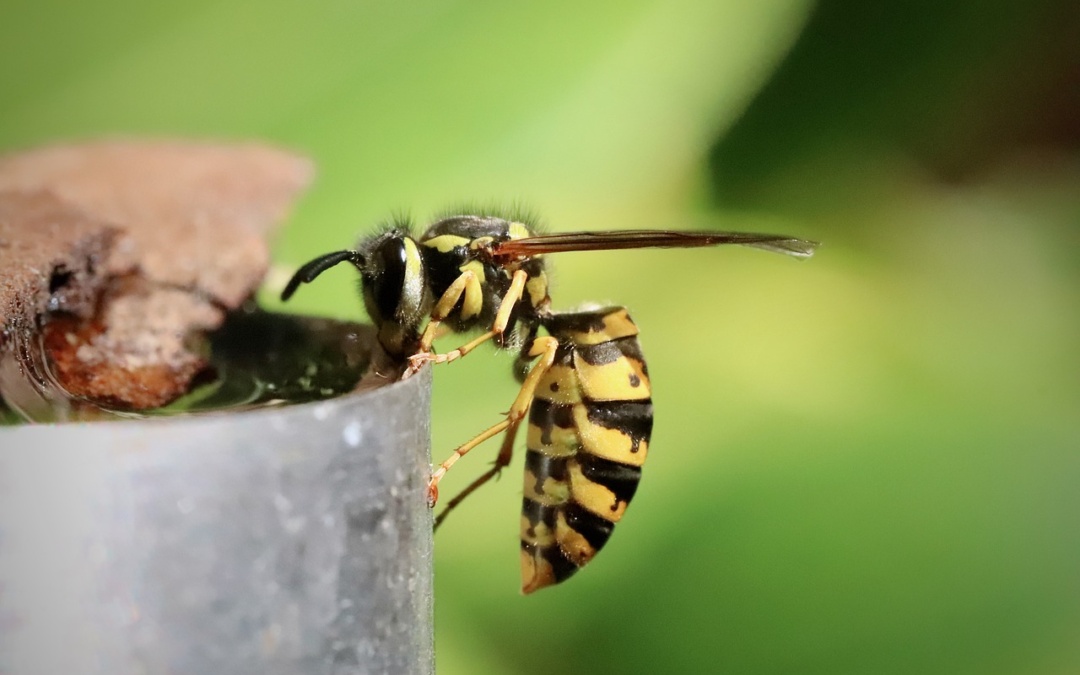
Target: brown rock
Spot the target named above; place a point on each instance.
(128, 247)
(199, 213)
(53, 257)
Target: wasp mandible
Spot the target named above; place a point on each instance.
(584, 383)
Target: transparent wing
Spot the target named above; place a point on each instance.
(620, 239)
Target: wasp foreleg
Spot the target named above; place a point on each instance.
(467, 285)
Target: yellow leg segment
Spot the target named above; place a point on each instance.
(466, 284)
(461, 451)
(543, 347)
(513, 295)
(501, 462)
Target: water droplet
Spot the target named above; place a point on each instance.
(353, 434)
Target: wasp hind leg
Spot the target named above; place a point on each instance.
(501, 462)
(466, 285)
(542, 347)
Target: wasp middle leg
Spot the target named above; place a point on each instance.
(542, 347)
(502, 460)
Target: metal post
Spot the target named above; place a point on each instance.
(282, 540)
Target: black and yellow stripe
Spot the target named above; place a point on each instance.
(588, 435)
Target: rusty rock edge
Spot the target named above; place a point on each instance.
(113, 251)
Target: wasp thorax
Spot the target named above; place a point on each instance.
(395, 289)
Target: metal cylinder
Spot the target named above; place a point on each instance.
(282, 540)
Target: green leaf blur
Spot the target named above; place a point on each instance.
(863, 463)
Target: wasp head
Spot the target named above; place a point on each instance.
(393, 282)
(395, 288)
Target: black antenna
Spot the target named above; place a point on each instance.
(312, 269)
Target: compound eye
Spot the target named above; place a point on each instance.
(388, 284)
(395, 282)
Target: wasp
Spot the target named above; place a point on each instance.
(584, 384)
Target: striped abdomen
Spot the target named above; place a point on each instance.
(588, 436)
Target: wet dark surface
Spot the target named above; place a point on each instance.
(255, 359)
(260, 358)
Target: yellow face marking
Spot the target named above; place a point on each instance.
(559, 385)
(444, 243)
(413, 287)
(552, 492)
(573, 543)
(564, 442)
(518, 231)
(607, 443)
(621, 380)
(474, 294)
(617, 325)
(537, 288)
(593, 496)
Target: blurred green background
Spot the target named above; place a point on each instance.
(864, 463)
